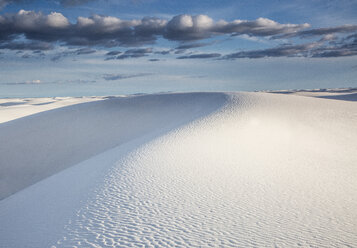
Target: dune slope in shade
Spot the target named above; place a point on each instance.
(40, 145)
(266, 170)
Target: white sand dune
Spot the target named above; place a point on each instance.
(13, 108)
(183, 170)
(344, 94)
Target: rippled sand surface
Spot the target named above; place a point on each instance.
(241, 170)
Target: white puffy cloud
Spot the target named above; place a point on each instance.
(57, 20)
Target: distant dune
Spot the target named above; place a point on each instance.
(180, 170)
(345, 94)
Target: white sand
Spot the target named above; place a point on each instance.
(345, 94)
(13, 108)
(195, 170)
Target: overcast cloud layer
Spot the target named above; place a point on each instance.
(30, 30)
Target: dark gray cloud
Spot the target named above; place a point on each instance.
(280, 51)
(127, 56)
(329, 30)
(111, 77)
(110, 58)
(320, 32)
(80, 51)
(33, 45)
(180, 51)
(56, 58)
(139, 51)
(201, 56)
(39, 53)
(334, 53)
(347, 47)
(135, 53)
(164, 52)
(113, 53)
(85, 50)
(185, 46)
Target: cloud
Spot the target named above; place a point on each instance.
(180, 51)
(30, 30)
(163, 52)
(113, 53)
(80, 51)
(135, 53)
(347, 47)
(328, 37)
(192, 45)
(139, 51)
(34, 26)
(328, 31)
(258, 27)
(110, 58)
(111, 77)
(27, 45)
(187, 27)
(335, 53)
(201, 56)
(280, 51)
(57, 57)
(109, 31)
(85, 50)
(36, 81)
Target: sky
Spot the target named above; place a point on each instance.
(106, 47)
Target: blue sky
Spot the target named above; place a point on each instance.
(105, 47)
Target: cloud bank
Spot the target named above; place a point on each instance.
(348, 47)
(111, 31)
(30, 30)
